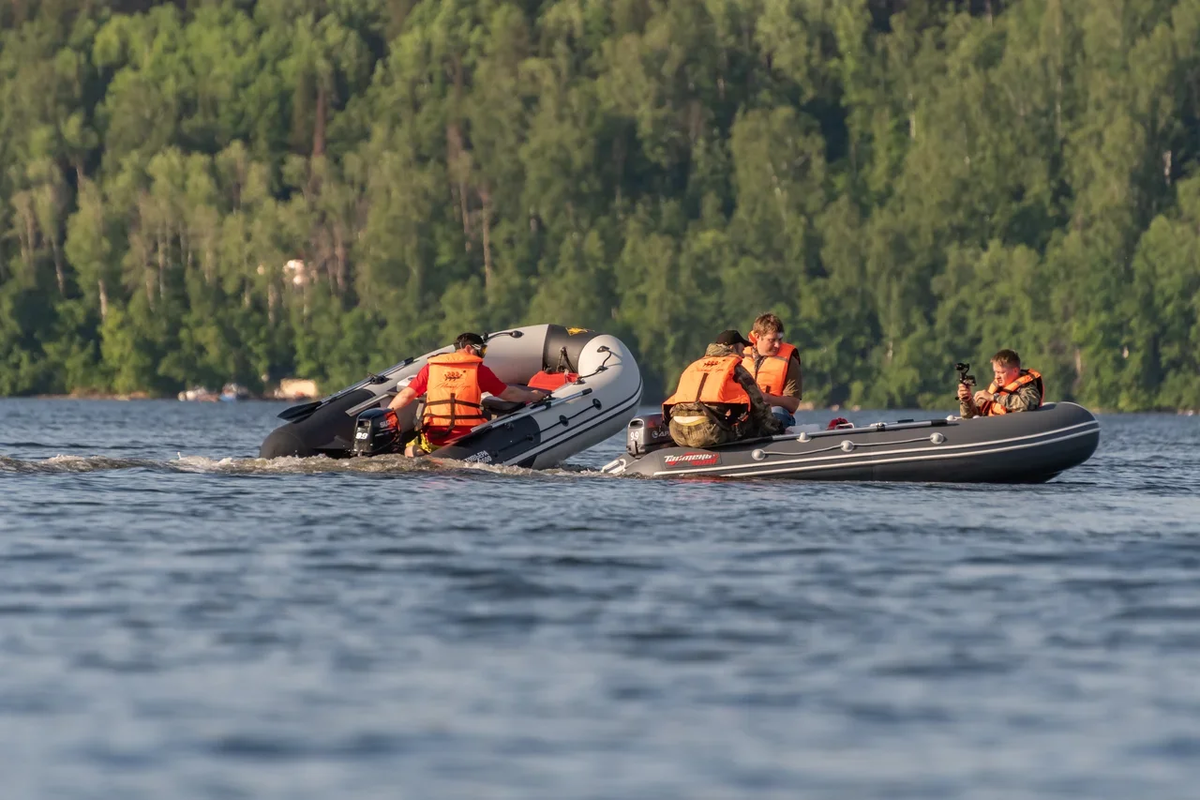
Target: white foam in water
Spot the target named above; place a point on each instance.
(292, 465)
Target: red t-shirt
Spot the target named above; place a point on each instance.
(488, 382)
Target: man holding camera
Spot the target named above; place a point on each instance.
(1012, 389)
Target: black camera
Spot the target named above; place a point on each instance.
(964, 374)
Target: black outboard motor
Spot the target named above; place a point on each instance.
(647, 433)
(376, 433)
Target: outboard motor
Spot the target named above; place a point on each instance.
(647, 433)
(374, 434)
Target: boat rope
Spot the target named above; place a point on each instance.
(601, 349)
(847, 446)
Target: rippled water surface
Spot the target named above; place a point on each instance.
(181, 620)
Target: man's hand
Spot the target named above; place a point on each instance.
(788, 404)
(964, 392)
(406, 396)
(983, 397)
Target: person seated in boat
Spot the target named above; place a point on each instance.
(453, 385)
(775, 365)
(1012, 389)
(717, 401)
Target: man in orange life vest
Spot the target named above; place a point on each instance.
(1013, 389)
(453, 384)
(717, 400)
(775, 365)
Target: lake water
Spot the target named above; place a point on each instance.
(180, 620)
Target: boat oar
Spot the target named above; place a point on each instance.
(549, 401)
(297, 413)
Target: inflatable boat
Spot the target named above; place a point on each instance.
(594, 382)
(1030, 447)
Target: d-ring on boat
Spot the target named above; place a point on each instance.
(1030, 447)
(595, 386)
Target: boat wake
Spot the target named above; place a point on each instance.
(388, 464)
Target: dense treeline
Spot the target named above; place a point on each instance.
(197, 192)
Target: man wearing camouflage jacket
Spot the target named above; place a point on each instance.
(1012, 390)
(696, 424)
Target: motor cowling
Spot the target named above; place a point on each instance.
(647, 433)
(375, 433)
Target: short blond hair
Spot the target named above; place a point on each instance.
(767, 323)
(1007, 359)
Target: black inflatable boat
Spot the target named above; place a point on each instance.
(1030, 447)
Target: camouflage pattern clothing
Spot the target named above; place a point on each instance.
(692, 425)
(1026, 398)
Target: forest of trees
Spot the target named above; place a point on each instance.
(214, 190)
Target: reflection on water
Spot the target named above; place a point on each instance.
(181, 619)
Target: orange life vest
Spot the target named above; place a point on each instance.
(453, 395)
(549, 381)
(1028, 376)
(770, 373)
(709, 380)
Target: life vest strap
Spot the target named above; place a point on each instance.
(717, 420)
(453, 416)
(449, 402)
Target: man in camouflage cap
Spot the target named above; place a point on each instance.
(717, 401)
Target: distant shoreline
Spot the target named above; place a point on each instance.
(135, 396)
(145, 396)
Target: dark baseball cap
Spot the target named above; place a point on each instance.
(469, 339)
(732, 337)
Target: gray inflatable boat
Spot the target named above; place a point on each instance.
(1030, 447)
(596, 393)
